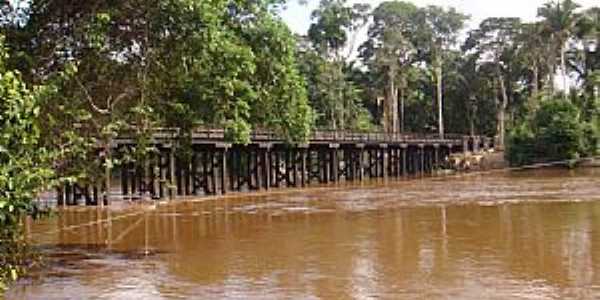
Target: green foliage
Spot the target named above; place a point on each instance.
(555, 133)
(23, 167)
(521, 146)
(559, 130)
(329, 33)
(334, 21)
(332, 93)
(591, 132)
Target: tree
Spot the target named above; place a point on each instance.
(438, 32)
(494, 42)
(560, 20)
(556, 133)
(532, 51)
(140, 64)
(334, 27)
(390, 50)
(24, 168)
(332, 94)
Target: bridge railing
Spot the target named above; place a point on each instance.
(218, 134)
(348, 136)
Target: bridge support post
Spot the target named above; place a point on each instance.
(223, 166)
(194, 176)
(124, 180)
(162, 170)
(334, 162)
(265, 165)
(155, 168)
(184, 176)
(95, 195)
(68, 194)
(436, 163)
(277, 168)
(172, 183)
(381, 161)
(397, 163)
(132, 171)
(295, 166)
(376, 153)
(384, 160)
(208, 159)
(404, 150)
(178, 177)
(249, 168)
(242, 168)
(422, 159)
(360, 148)
(60, 196)
(322, 161)
(303, 170)
(232, 168)
(369, 163)
(256, 169)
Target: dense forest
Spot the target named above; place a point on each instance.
(75, 74)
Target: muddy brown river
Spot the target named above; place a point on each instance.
(525, 235)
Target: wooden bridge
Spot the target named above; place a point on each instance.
(214, 166)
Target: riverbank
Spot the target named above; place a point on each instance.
(590, 163)
(482, 161)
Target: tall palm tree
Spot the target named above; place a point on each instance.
(560, 20)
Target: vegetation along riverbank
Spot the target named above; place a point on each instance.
(76, 75)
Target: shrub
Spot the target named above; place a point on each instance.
(555, 133)
(521, 146)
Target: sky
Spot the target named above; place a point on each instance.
(298, 16)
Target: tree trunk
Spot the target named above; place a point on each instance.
(402, 121)
(472, 125)
(343, 111)
(391, 104)
(333, 119)
(536, 80)
(502, 114)
(551, 71)
(342, 99)
(563, 67)
(472, 114)
(438, 75)
(535, 88)
(395, 121)
(107, 172)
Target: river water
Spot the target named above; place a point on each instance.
(525, 235)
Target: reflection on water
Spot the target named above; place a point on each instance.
(509, 236)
